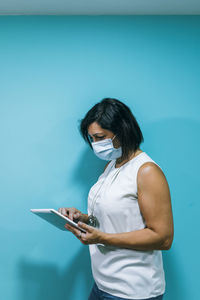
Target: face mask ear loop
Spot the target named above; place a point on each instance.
(113, 137)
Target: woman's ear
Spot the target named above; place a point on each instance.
(116, 142)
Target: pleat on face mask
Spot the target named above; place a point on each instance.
(105, 150)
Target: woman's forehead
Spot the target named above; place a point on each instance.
(95, 128)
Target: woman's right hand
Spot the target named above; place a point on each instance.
(73, 214)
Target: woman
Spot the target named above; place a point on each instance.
(129, 216)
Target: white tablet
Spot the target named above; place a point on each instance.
(55, 218)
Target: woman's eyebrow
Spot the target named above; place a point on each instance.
(97, 133)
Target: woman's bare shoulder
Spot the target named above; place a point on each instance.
(151, 173)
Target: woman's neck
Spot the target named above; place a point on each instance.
(120, 161)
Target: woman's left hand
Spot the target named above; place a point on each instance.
(92, 235)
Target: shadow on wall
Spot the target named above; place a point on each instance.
(47, 282)
(177, 141)
(87, 172)
(89, 168)
(174, 144)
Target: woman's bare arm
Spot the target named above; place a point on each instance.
(155, 205)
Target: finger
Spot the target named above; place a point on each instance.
(67, 227)
(83, 237)
(72, 229)
(77, 233)
(72, 211)
(85, 226)
(63, 211)
(77, 215)
(71, 214)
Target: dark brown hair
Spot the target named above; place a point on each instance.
(113, 115)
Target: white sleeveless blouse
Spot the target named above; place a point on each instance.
(124, 273)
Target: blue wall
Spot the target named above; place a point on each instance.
(52, 70)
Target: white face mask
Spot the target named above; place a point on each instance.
(105, 150)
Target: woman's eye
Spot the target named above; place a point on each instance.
(97, 138)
